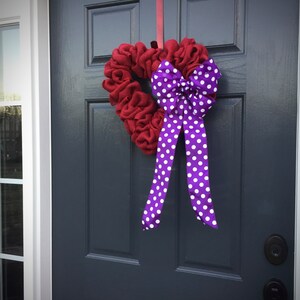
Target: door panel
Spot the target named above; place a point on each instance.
(221, 250)
(122, 20)
(214, 22)
(109, 164)
(101, 180)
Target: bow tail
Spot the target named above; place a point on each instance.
(197, 171)
(164, 160)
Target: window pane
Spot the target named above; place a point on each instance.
(12, 280)
(9, 63)
(12, 219)
(11, 142)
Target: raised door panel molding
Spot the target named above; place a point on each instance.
(220, 30)
(110, 19)
(109, 220)
(224, 127)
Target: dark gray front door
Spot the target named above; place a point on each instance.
(101, 180)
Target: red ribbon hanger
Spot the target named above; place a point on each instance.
(159, 43)
(160, 23)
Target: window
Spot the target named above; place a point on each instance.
(11, 183)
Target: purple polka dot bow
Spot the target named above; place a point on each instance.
(185, 102)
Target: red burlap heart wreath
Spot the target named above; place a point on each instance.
(139, 111)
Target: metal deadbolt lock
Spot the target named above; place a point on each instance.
(276, 249)
(275, 290)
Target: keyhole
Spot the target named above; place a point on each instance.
(275, 251)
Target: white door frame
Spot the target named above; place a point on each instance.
(39, 269)
(41, 110)
(35, 65)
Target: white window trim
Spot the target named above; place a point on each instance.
(11, 12)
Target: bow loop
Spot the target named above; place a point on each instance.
(167, 83)
(205, 77)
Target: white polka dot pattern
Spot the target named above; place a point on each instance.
(185, 102)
